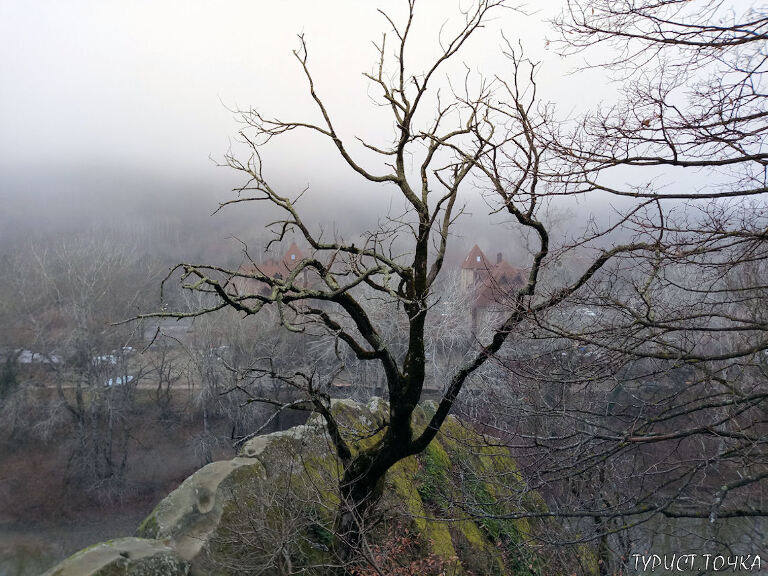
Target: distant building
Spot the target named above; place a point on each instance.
(30, 357)
(278, 269)
(119, 381)
(492, 283)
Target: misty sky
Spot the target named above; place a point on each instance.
(106, 99)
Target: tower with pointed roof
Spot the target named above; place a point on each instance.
(474, 267)
(292, 257)
(492, 284)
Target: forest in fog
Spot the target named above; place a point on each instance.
(469, 288)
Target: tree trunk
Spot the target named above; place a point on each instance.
(360, 488)
(603, 551)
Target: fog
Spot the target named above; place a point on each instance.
(117, 114)
(118, 120)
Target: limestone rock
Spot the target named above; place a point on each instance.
(188, 515)
(234, 513)
(124, 557)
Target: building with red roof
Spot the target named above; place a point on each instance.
(492, 284)
(273, 268)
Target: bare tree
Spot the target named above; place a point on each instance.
(644, 392)
(494, 133)
(66, 294)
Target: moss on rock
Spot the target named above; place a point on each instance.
(276, 502)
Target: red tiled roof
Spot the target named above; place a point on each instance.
(292, 256)
(495, 282)
(272, 268)
(475, 260)
(506, 274)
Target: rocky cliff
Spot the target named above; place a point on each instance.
(270, 510)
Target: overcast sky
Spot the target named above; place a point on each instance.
(141, 88)
(141, 82)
